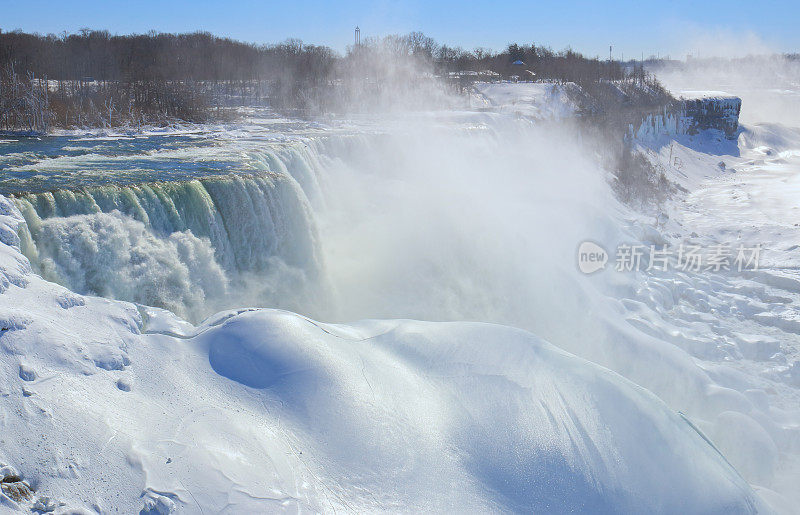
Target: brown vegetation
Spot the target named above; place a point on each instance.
(93, 78)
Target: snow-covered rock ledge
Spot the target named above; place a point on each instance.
(711, 110)
(691, 113)
(695, 111)
(112, 407)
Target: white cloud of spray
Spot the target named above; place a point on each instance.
(436, 222)
(390, 74)
(483, 223)
(704, 42)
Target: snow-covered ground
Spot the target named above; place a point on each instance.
(541, 100)
(742, 328)
(658, 391)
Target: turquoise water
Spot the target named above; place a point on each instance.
(33, 164)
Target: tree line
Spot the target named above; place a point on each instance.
(94, 78)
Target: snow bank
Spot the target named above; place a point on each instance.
(539, 100)
(109, 407)
(741, 328)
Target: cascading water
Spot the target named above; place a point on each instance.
(192, 246)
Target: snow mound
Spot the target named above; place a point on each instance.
(393, 406)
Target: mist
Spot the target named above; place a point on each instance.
(767, 83)
(474, 222)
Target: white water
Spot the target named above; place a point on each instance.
(178, 245)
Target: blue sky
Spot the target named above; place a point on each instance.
(666, 27)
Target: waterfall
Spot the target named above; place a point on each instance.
(191, 246)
